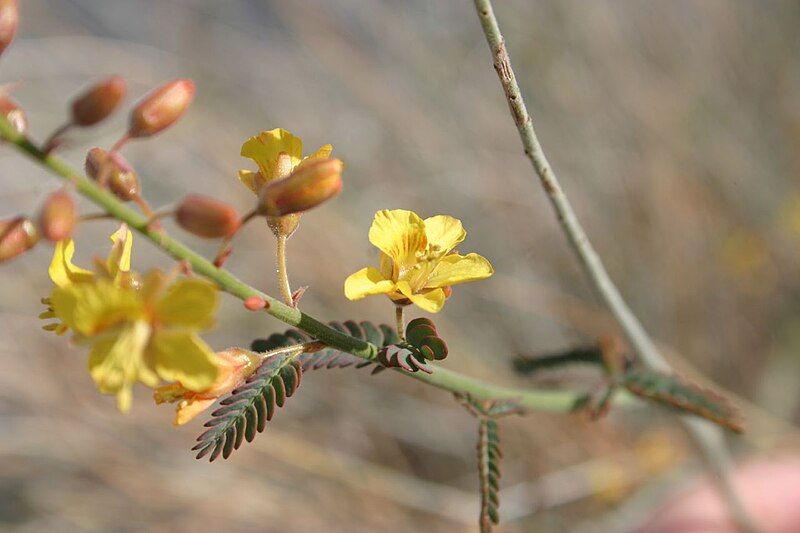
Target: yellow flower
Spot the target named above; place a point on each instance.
(235, 365)
(416, 265)
(144, 332)
(64, 272)
(277, 153)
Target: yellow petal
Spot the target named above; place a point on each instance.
(366, 282)
(253, 180)
(153, 284)
(61, 270)
(117, 362)
(183, 357)
(189, 303)
(265, 147)
(324, 152)
(125, 398)
(444, 233)
(431, 301)
(454, 269)
(90, 308)
(119, 259)
(399, 234)
(188, 409)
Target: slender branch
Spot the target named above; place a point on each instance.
(484, 519)
(707, 437)
(442, 378)
(283, 273)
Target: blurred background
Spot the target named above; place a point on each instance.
(674, 126)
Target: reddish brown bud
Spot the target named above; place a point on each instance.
(13, 113)
(255, 303)
(448, 291)
(17, 235)
(113, 169)
(207, 217)
(98, 101)
(308, 186)
(58, 216)
(161, 108)
(9, 20)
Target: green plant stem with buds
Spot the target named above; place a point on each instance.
(708, 439)
(442, 378)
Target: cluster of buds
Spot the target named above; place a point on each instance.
(297, 189)
(58, 215)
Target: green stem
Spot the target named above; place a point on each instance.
(283, 273)
(707, 437)
(554, 401)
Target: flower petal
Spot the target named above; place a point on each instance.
(399, 234)
(454, 269)
(366, 282)
(183, 357)
(119, 259)
(188, 303)
(116, 363)
(431, 301)
(90, 308)
(188, 409)
(62, 271)
(252, 180)
(265, 147)
(324, 152)
(444, 232)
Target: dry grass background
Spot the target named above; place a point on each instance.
(675, 127)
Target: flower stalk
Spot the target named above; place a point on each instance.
(283, 273)
(401, 322)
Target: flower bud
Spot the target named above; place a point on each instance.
(234, 365)
(115, 171)
(58, 216)
(16, 236)
(9, 20)
(13, 113)
(98, 101)
(308, 186)
(161, 108)
(207, 217)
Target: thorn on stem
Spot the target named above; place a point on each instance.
(297, 295)
(185, 267)
(223, 256)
